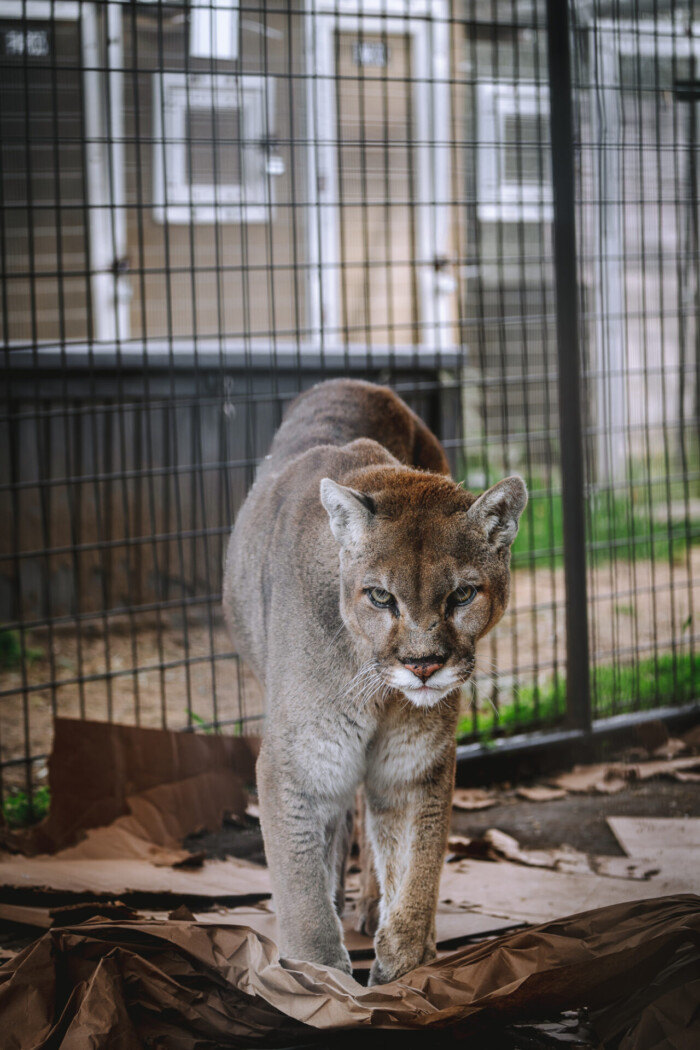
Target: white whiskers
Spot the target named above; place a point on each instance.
(367, 684)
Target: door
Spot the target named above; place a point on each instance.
(377, 279)
(380, 178)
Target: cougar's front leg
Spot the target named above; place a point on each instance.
(299, 830)
(409, 830)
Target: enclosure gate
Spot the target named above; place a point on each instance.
(207, 206)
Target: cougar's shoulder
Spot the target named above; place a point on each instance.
(340, 411)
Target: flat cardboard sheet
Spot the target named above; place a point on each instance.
(214, 880)
(183, 984)
(517, 892)
(646, 836)
(528, 894)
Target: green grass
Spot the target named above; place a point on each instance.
(206, 725)
(619, 527)
(640, 686)
(12, 654)
(19, 811)
(625, 525)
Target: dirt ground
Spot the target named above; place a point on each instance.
(173, 673)
(577, 820)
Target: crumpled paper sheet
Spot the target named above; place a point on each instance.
(182, 985)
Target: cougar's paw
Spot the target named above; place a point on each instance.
(336, 956)
(367, 920)
(342, 963)
(395, 960)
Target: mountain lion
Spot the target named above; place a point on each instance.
(358, 580)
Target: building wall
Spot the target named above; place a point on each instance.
(234, 279)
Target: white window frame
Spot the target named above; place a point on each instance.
(501, 199)
(175, 199)
(214, 29)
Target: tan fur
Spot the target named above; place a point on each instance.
(343, 709)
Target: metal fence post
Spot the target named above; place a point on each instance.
(569, 361)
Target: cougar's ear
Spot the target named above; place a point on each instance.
(497, 511)
(350, 512)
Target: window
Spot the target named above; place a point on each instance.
(213, 148)
(514, 170)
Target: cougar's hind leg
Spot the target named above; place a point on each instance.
(367, 915)
(340, 852)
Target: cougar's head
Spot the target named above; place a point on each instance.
(424, 572)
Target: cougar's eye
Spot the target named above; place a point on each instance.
(381, 598)
(464, 595)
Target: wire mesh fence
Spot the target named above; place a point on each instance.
(205, 207)
(636, 85)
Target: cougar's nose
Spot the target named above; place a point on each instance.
(425, 666)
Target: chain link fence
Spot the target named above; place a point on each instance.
(206, 207)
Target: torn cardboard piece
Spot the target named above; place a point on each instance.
(158, 821)
(673, 747)
(165, 784)
(497, 845)
(605, 779)
(540, 793)
(610, 779)
(153, 787)
(687, 778)
(472, 799)
(665, 767)
(187, 984)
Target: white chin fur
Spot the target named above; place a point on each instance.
(424, 697)
(438, 686)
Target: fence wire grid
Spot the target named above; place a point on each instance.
(207, 206)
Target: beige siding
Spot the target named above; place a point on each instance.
(42, 190)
